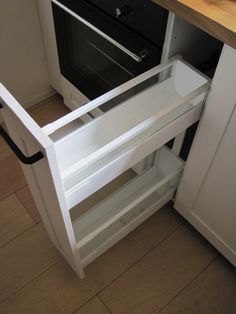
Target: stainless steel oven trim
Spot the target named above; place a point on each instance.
(99, 32)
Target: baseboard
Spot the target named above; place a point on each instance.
(38, 98)
(35, 99)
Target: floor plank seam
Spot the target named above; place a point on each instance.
(100, 299)
(190, 282)
(86, 302)
(20, 188)
(18, 235)
(31, 280)
(13, 192)
(35, 106)
(8, 195)
(31, 216)
(98, 292)
(149, 251)
(89, 300)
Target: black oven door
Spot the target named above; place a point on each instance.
(96, 52)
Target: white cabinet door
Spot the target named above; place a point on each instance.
(207, 193)
(215, 207)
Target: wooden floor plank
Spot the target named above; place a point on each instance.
(4, 149)
(25, 258)
(213, 292)
(14, 219)
(25, 196)
(11, 175)
(160, 275)
(33, 281)
(94, 306)
(49, 110)
(59, 290)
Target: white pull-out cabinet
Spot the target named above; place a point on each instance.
(91, 146)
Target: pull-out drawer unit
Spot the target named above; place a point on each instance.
(91, 146)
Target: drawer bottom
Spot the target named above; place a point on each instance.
(110, 220)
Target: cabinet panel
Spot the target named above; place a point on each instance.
(206, 194)
(49, 39)
(82, 155)
(219, 106)
(215, 206)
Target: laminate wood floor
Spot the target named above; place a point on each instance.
(164, 266)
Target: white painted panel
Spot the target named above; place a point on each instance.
(72, 97)
(43, 177)
(49, 41)
(218, 109)
(206, 194)
(18, 111)
(22, 59)
(215, 206)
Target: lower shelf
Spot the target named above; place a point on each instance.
(119, 229)
(110, 220)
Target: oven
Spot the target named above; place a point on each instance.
(102, 44)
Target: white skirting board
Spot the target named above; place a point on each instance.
(36, 99)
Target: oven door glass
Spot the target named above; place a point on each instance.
(96, 60)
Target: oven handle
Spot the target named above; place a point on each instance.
(99, 32)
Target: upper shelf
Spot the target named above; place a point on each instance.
(143, 112)
(216, 17)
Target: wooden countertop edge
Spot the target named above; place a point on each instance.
(203, 22)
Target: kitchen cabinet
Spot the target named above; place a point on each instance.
(206, 195)
(77, 160)
(213, 215)
(74, 168)
(213, 211)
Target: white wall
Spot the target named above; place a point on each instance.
(22, 60)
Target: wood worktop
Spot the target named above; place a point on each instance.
(216, 17)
